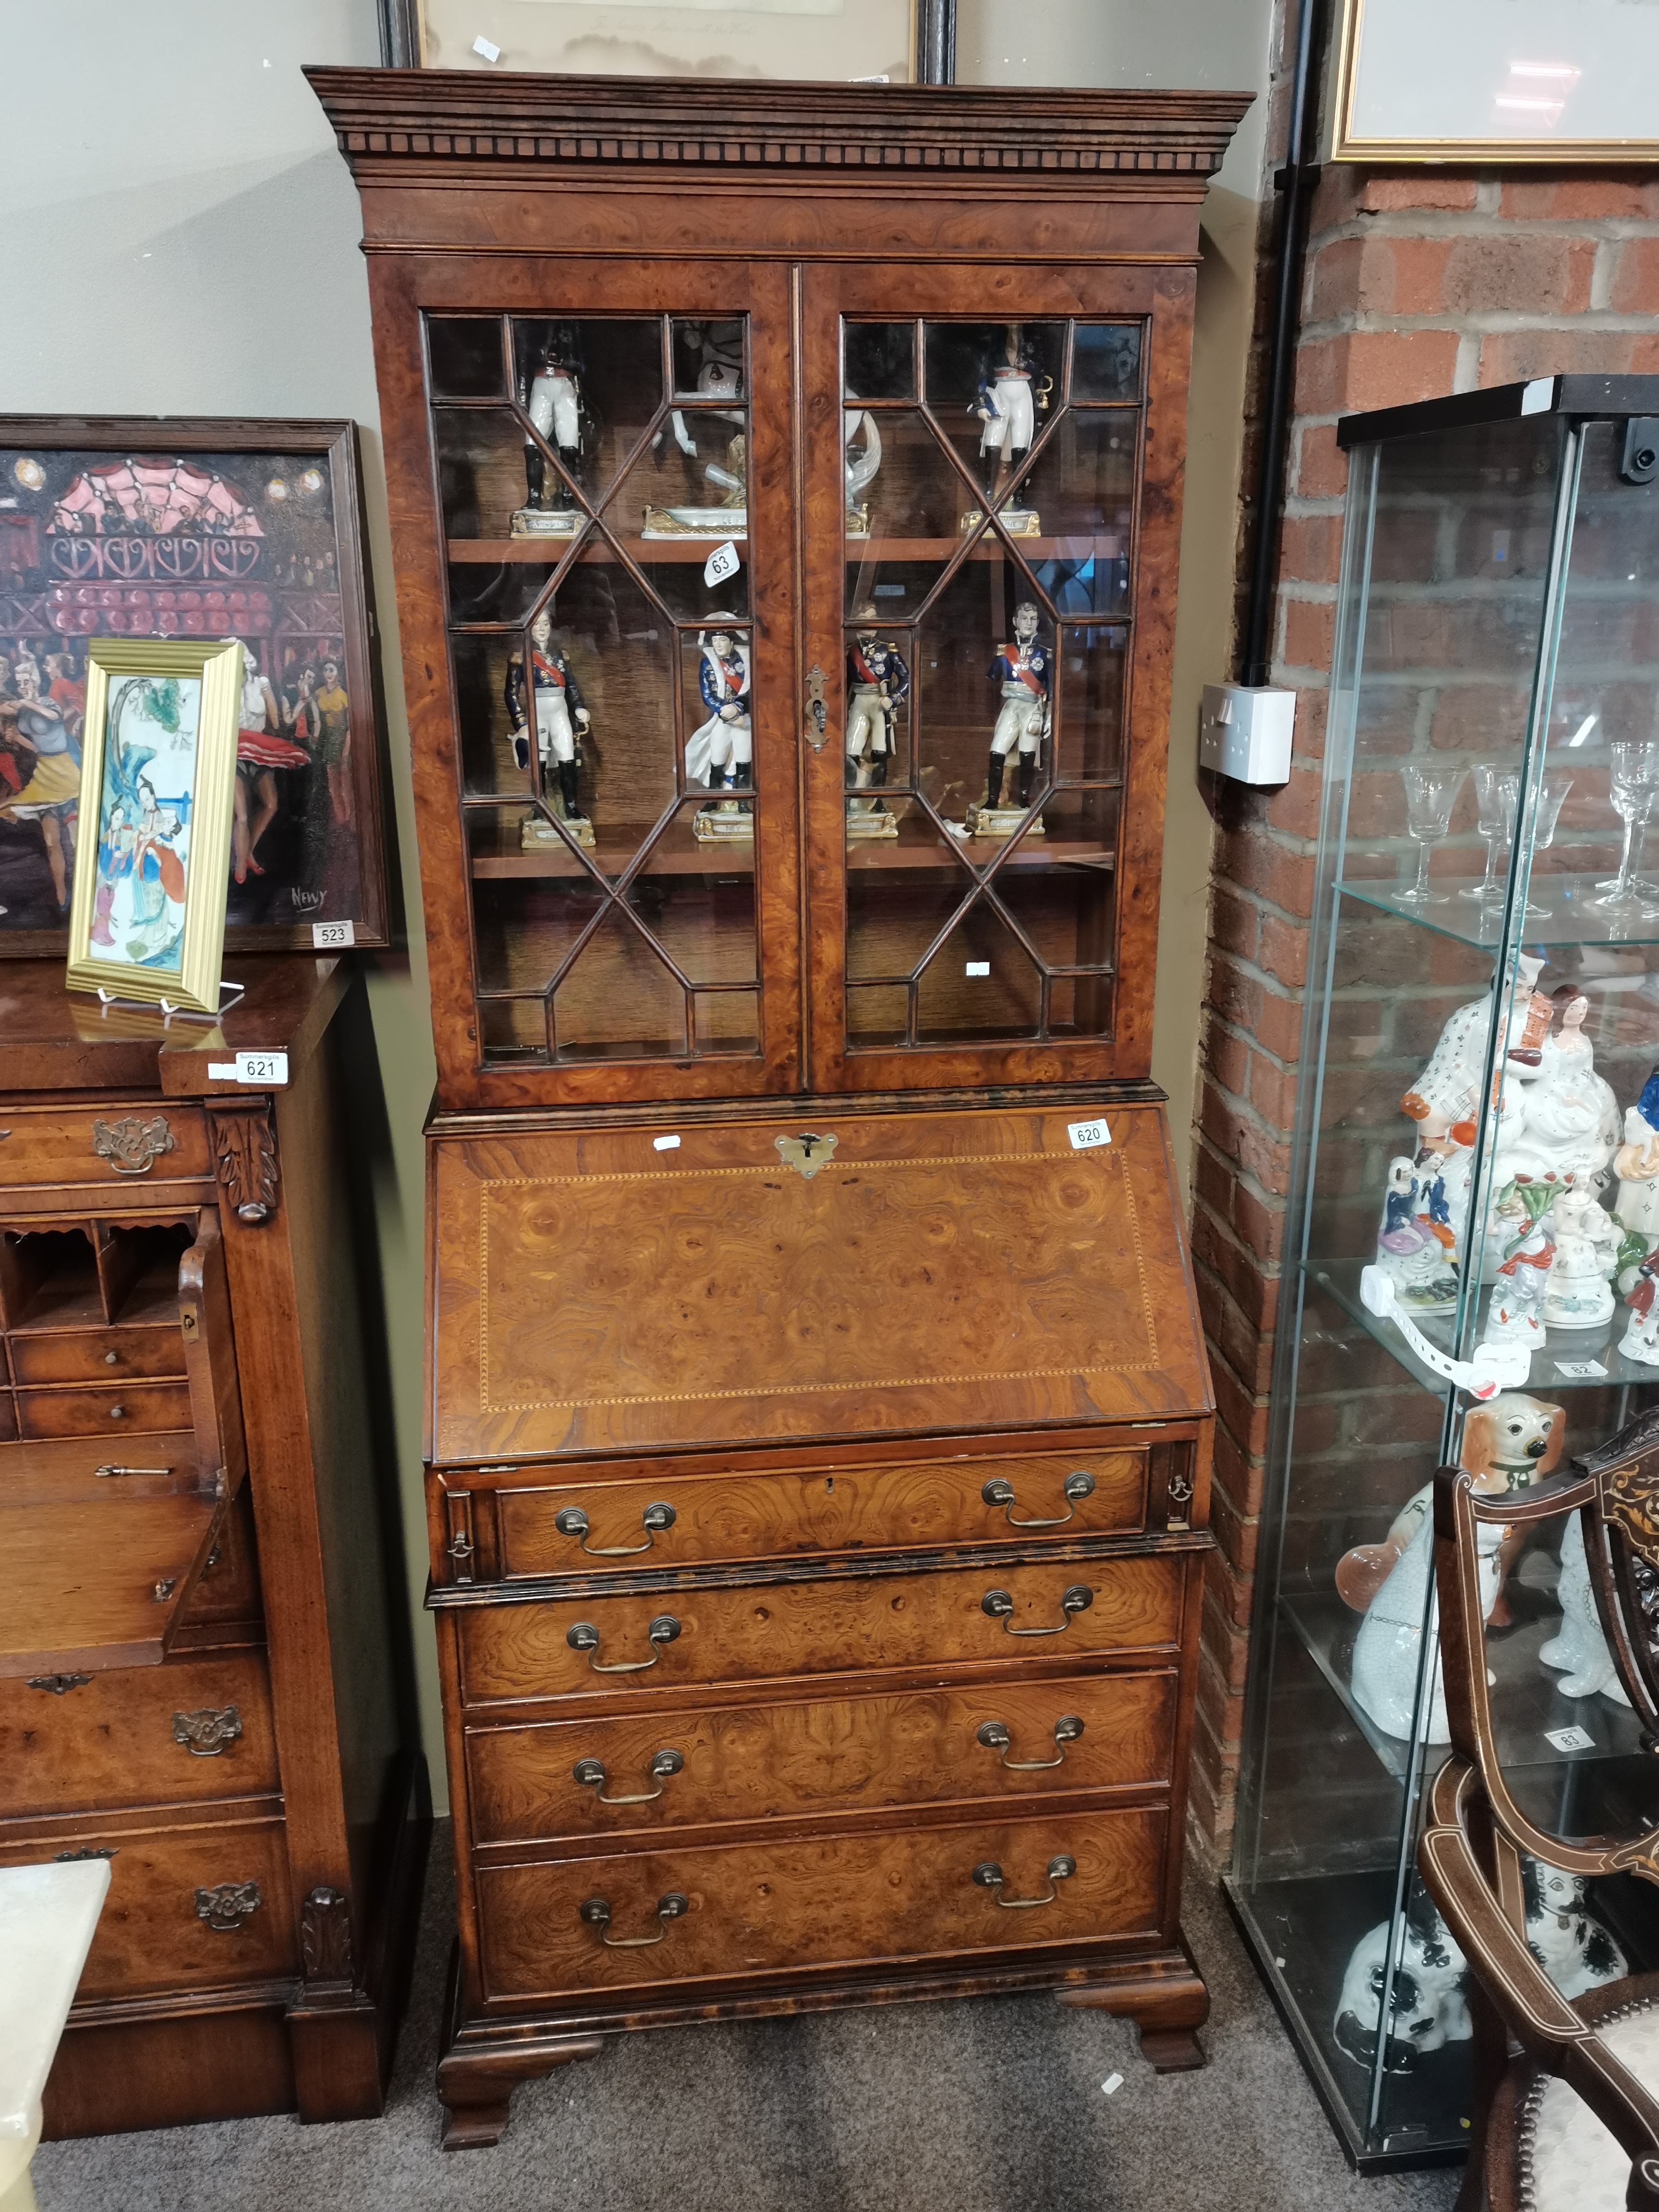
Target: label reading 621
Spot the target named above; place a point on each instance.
(1084, 1134)
(262, 1067)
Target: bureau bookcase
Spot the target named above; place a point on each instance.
(785, 482)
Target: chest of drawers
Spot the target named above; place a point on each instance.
(817, 1563)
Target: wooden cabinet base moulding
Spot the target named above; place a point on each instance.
(201, 1675)
(818, 1423)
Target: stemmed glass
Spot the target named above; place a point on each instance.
(1429, 792)
(1632, 785)
(1497, 796)
(1552, 796)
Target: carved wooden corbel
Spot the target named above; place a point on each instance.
(245, 1146)
(326, 1936)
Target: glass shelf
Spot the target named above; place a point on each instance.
(1569, 921)
(1561, 1345)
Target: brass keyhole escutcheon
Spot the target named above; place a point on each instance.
(817, 715)
(806, 1153)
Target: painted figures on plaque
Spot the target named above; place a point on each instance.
(720, 754)
(561, 720)
(552, 397)
(1022, 671)
(878, 682)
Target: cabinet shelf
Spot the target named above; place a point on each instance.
(548, 552)
(681, 854)
(1569, 921)
(1340, 1279)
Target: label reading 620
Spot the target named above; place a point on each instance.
(1084, 1134)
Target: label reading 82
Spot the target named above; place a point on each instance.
(1084, 1134)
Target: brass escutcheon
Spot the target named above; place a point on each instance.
(806, 1153)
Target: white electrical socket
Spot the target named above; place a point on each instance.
(1244, 731)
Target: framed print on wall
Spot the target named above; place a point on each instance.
(833, 40)
(1496, 81)
(156, 803)
(138, 528)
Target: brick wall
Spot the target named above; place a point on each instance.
(1417, 283)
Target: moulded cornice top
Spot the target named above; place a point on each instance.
(400, 126)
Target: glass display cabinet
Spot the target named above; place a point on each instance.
(787, 502)
(1475, 1210)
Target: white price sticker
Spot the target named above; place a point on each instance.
(265, 1068)
(1084, 1134)
(1571, 1739)
(1581, 1371)
(722, 563)
(977, 968)
(332, 936)
(665, 1144)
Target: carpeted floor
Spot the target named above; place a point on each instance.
(991, 2105)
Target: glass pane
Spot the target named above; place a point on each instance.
(465, 354)
(496, 590)
(877, 1016)
(991, 388)
(981, 983)
(878, 360)
(1106, 361)
(684, 497)
(593, 388)
(708, 359)
(481, 471)
(911, 506)
(703, 921)
(1081, 488)
(720, 742)
(1079, 1005)
(489, 760)
(619, 999)
(1093, 664)
(514, 1028)
(900, 895)
(726, 1021)
(527, 920)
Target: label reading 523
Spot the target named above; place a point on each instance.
(332, 936)
(1084, 1134)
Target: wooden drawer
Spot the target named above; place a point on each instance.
(117, 1144)
(119, 1409)
(70, 1744)
(152, 1934)
(832, 1625)
(916, 1506)
(768, 1906)
(760, 1762)
(96, 1355)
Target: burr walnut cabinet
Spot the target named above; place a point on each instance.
(198, 1678)
(787, 483)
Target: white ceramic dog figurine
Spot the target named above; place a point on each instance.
(1579, 1647)
(1567, 1940)
(1389, 1644)
(1427, 2005)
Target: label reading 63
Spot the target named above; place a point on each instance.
(1084, 1134)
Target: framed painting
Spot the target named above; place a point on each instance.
(157, 806)
(1496, 81)
(197, 531)
(831, 40)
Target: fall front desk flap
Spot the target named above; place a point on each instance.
(785, 1278)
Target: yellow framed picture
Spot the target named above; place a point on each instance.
(1495, 81)
(157, 794)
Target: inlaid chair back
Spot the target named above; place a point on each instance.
(1569, 2122)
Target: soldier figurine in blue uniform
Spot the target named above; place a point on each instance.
(1023, 670)
(561, 720)
(878, 683)
(720, 753)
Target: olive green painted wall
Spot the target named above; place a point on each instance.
(186, 244)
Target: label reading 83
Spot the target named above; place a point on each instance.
(1084, 1134)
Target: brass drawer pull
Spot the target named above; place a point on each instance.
(993, 1734)
(1000, 1607)
(227, 1905)
(989, 1875)
(59, 1686)
(597, 1913)
(584, 1637)
(571, 1521)
(204, 1735)
(132, 1147)
(590, 1772)
(998, 1491)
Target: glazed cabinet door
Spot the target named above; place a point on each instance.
(993, 495)
(592, 503)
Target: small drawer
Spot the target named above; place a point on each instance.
(559, 1648)
(176, 1734)
(8, 1416)
(99, 1356)
(768, 1906)
(117, 1145)
(189, 1908)
(917, 1505)
(541, 1780)
(118, 1410)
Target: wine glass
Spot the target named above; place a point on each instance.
(1431, 790)
(1497, 796)
(1632, 785)
(1552, 796)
